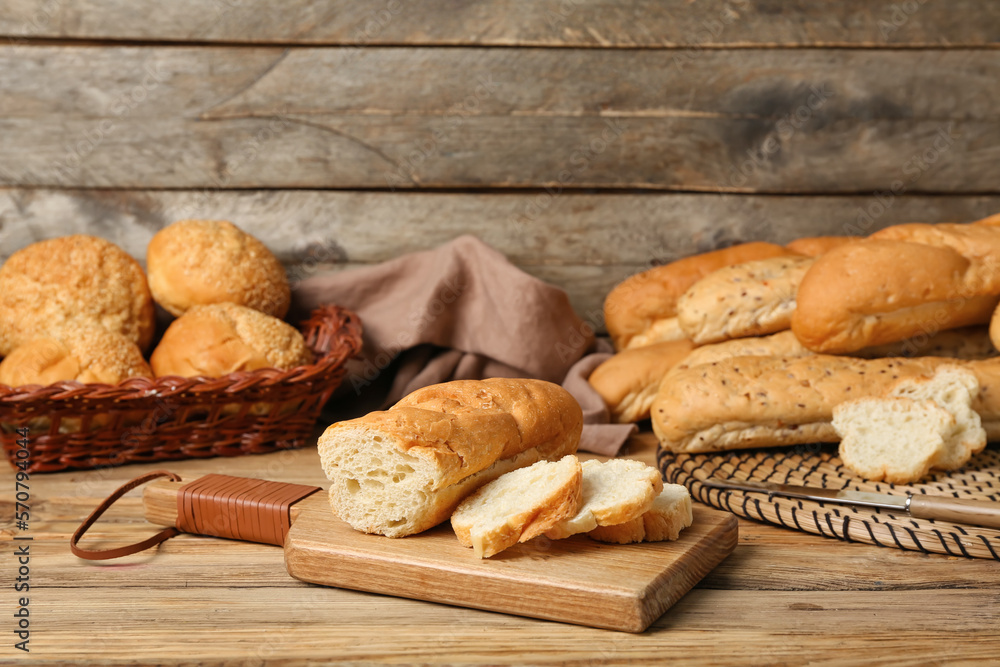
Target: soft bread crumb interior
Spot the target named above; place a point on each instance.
(374, 484)
(518, 505)
(895, 439)
(614, 492)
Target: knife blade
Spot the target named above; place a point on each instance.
(985, 513)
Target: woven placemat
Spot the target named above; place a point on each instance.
(818, 465)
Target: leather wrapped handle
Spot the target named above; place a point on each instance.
(239, 508)
(970, 512)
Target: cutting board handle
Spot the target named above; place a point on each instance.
(239, 508)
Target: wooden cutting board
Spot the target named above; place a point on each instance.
(577, 580)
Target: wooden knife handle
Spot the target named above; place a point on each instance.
(983, 513)
(239, 508)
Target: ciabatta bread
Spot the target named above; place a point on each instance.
(628, 380)
(614, 492)
(642, 306)
(750, 299)
(403, 470)
(874, 292)
(518, 506)
(670, 514)
(892, 439)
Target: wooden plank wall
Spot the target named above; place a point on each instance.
(586, 139)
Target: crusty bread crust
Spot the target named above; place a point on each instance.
(875, 292)
(979, 243)
(451, 439)
(814, 246)
(641, 301)
(194, 262)
(744, 402)
(628, 381)
(750, 299)
(79, 278)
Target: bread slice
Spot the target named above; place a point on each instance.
(519, 506)
(892, 439)
(614, 492)
(954, 389)
(670, 514)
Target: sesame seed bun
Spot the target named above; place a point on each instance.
(81, 352)
(79, 278)
(197, 262)
(224, 338)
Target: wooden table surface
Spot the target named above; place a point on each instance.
(781, 598)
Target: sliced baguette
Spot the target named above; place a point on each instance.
(518, 506)
(670, 514)
(892, 439)
(614, 492)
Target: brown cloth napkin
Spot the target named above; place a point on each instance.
(459, 311)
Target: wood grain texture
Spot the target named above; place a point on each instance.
(597, 23)
(584, 243)
(747, 121)
(781, 597)
(576, 580)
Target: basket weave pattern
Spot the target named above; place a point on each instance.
(79, 426)
(820, 466)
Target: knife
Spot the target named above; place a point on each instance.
(983, 513)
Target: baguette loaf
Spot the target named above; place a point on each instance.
(403, 470)
(642, 306)
(628, 380)
(744, 402)
(750, 299)
(979, 243)
(874, 292)
(815, 246)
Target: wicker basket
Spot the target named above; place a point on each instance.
(78, 426)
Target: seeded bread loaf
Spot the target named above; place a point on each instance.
(744, 402)
(628, 380)
(403, 470)
(642, 309)
(750, 299)
(873, 292)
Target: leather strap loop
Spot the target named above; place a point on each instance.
(118, 552)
